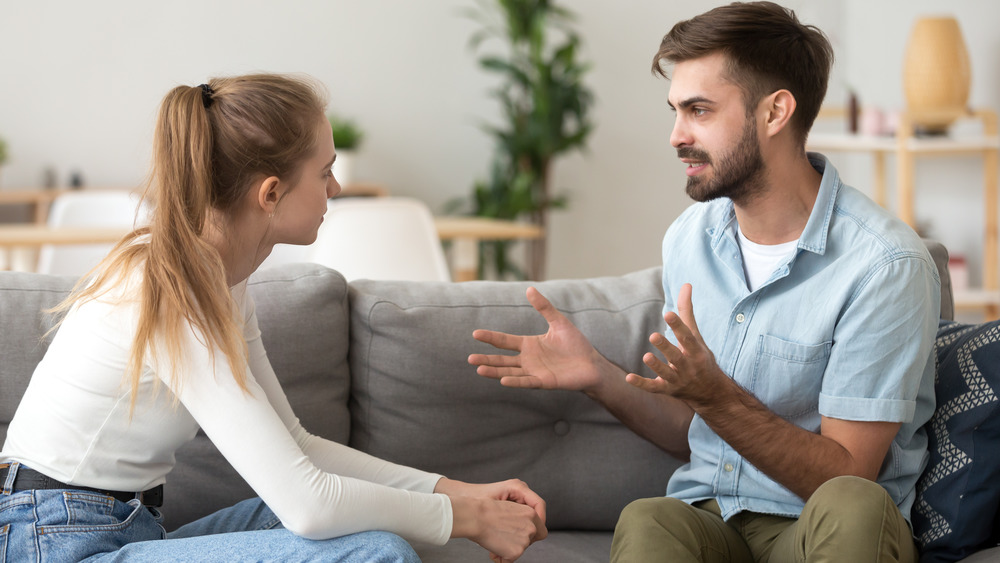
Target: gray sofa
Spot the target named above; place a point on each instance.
(382, 366)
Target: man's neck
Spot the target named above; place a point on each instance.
(780, 211)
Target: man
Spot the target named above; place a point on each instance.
(799, 393)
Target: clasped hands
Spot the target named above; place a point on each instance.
(504, 517)
(563, 358)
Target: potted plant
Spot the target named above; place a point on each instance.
(347, 138)
(545, 115)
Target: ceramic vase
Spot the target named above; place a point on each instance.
(936, 74)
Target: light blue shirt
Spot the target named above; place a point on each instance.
(844, 328)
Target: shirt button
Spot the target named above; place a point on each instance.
(728, 467)
(740, 317)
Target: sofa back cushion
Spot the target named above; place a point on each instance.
(302, 310)
(415, 399)
(23, 297)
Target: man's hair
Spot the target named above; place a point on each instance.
(766, 49)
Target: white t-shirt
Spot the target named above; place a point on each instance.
(73, 425)
(761, 260)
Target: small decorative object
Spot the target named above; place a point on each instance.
(347, 138)
(49, 178)
(959, 270)
(872, 121)
(3, 152)
(852, 112)
(936, 74)
(76, 180)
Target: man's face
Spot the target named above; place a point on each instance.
(712, 132)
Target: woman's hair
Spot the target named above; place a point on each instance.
(766, 49)
(212, 144)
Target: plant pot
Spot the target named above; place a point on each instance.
(343, 167)
(936, 74)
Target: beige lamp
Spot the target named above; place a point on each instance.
(936, 74)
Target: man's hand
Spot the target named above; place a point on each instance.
(562, 358)
(690, 372)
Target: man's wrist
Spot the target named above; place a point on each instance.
(607, 375)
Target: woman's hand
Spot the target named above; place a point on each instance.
(505, 517)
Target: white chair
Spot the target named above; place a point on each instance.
(87, 209)
(383, 238)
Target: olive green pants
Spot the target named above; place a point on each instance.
(848, 519)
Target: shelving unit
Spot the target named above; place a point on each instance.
(907, 148)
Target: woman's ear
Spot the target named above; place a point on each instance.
(269, 193)
(779, 107)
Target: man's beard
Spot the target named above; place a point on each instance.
(738, 173)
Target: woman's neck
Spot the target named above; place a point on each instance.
(238, 243)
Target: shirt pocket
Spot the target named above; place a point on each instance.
(788, 376)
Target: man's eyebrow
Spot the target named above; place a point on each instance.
(684, 104)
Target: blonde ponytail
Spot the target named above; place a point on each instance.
(211, 144)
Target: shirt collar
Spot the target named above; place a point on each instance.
(814, 236)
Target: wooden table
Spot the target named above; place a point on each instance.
(465, 232)
(40, 199)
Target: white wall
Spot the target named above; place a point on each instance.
(80, 83)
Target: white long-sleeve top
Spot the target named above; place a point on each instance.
(73, 425)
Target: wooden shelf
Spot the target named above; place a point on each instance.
(976, 298)
(906, 147)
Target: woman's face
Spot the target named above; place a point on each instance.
(298, 214)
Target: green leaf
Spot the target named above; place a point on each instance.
(346, 134)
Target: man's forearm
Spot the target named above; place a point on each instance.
(798, 459)
(661, 419)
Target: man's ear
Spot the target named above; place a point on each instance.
(269, 192)
(778, 107)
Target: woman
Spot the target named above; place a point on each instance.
(163, 339)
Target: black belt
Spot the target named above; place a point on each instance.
(28, 479)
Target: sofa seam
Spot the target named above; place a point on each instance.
(383, 301)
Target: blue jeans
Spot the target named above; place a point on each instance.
(70, 525)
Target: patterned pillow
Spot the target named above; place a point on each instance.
(958, 495)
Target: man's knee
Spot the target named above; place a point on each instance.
(848, 497)
(855, 519)
(650, 512)
(643, 532)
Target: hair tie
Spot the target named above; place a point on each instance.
(206, 95)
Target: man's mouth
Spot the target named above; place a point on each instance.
(694, 166)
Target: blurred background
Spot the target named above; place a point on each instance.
(80, 83)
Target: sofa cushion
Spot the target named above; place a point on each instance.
(417, 401)
(564, 546)
(23, 297)
(958, 495)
